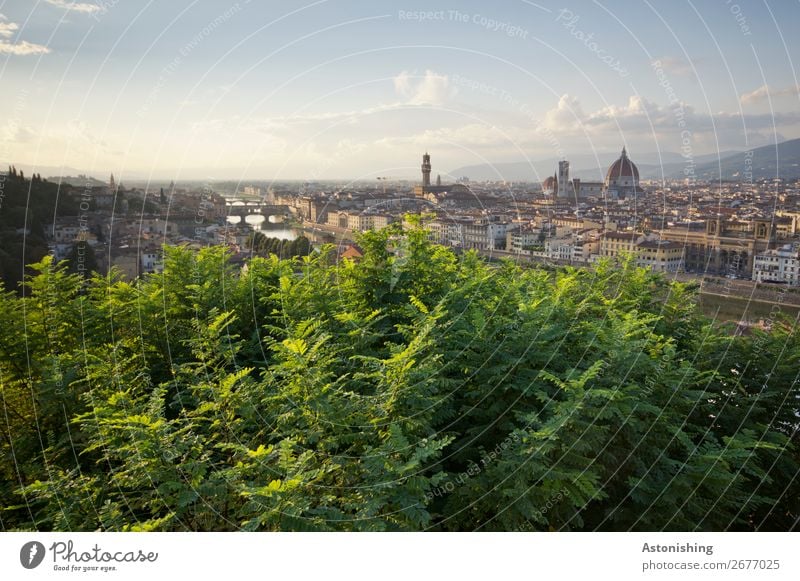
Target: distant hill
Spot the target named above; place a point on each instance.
(586, 167)
(80, 181)
(769, 161)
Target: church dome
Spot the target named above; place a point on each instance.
(622, 168)
(550, 183)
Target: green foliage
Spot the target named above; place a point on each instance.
(27, 207)
(260, 244)
(410, 390)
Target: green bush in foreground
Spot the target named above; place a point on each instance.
(412, 390)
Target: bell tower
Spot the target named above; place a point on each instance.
(426, 169)
(563, 179)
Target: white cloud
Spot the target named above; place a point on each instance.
(431, 89)
(755, 96)
(402, 83)
(566, 115)
(292, 123)
(14, 133)
(84, 7)
(7, 30)
(764, 91)
(471, 135)
(643, 121)
(22, 48)
(637, 108)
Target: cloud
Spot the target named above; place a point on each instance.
(22, 48)
(84, 7)
(432, 89)
(471, 135)
(14, 133)
(402, 83)
(637, 108)
(293, 123)
(678, 66)
(669, 125)
(763, 92)
(566, 115)
(7, 30)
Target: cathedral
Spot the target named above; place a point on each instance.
(622, 179)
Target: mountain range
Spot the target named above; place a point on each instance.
(762, 162)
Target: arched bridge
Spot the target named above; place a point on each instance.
(244, 209)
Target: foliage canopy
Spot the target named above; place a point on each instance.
(415, 389)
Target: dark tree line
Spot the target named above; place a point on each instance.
(27, 208)
(262, 245)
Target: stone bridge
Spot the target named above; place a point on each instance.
(244, 209)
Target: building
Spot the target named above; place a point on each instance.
(780, 265)
(723, 247)
(564, 189)
(588, 189)
(440, 191)
(426, 170)
(485, 235)
(480, 234)
(561, 248)
(659, 255)
(152, 260)
(622, 178)
(550, 185)
(524, 240)
(560, 186)
(614, 244)
(358, 221)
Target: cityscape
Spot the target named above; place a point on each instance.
(525, 267)
(738, 239)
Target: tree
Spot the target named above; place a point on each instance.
(412, 390)
(81, 259)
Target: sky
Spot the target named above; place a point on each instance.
(342, 89)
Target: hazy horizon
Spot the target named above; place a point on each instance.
(342, 90)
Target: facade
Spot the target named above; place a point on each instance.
(565, 189)
(562, 248)
(588, 189)
(614, 244)
(648, 251)
(358, 221)
(780, 265)
(479, 234)
(524, 240)
(152, 261)
(485, 235)
(660, 255)
(723, 247)
(446, 232)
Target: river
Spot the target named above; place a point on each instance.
(272, 230)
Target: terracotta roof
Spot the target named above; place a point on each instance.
(623, 167)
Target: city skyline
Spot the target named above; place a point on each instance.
(335, 90)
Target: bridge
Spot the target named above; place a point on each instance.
(243, 209)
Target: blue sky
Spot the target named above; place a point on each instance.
(343, 89)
